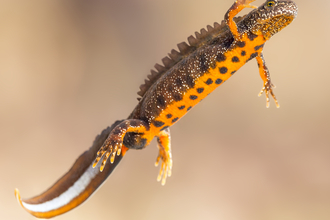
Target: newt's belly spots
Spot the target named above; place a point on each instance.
(225, 66)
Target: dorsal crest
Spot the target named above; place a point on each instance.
(185, 50)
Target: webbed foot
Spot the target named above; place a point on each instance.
(246, 3)
(109, 149)
(113, 145)
(268, 89)
(166, 165)
(164, 156)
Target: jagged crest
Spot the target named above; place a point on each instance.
(184, 50)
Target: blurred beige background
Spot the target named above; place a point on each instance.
(69, 68)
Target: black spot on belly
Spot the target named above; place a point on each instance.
(165, 127)
(190, 81)
(158, 124)
(221, 57)
(175, 119)
(252, 36)
(209, 81)
(200, 90)
(223, 70)
(161, 101)
(254, 55)
(258, 47)
(243, 53)
(189, 108)
(218, 81)
(235, 59)
(169, 116)
(177, 97)
(193, 97)
(241, 44)
(232, 73)
(181, 107)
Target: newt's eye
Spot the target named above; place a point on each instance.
(270, 4)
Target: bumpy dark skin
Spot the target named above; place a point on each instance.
(187, 77)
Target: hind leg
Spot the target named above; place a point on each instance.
(114, 143)
(165, 155)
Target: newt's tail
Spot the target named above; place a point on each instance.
(76, 186)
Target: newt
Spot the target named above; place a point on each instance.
(186, 77)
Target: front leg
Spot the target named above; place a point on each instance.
(165, 155)
(238, 6)
(265, 76)
(114, 143)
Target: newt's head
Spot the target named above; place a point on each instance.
(271, 17)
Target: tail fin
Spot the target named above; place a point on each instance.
(76, 186)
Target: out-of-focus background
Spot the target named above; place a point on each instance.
(69, 68)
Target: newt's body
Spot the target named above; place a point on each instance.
(185, 79)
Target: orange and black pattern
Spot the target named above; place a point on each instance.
(186, 77)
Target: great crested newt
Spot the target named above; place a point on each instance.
(186, 77)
